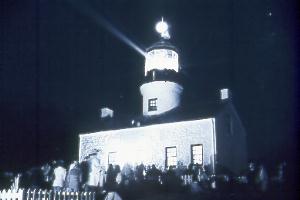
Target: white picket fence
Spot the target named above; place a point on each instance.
(186, 179)
(28, 194)
(12, 194)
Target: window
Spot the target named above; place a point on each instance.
(169, 54)
(171, 156)
(112, 158)
(197, 154)
(152, 104)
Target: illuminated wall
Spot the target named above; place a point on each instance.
(167, 94)
(147, 144)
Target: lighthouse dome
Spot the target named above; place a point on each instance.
(162, 44)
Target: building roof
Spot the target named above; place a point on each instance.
(182, 113)
(186, 112)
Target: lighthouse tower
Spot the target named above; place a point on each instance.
(161, 90)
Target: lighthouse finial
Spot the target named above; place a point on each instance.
(162, 28)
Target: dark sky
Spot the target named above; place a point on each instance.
(59, 65)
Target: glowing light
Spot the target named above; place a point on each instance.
(162, 28)
(161, 59)
(135, 154)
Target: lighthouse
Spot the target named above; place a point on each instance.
(161, 89)
(212, 134)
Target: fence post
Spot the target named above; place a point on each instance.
(20, 194)
(65, 195)
(34, 194)
(50, 194)
(59, 195)
(45, 195)
(28, 194)
(76, 196)
(2, 194)
(72, 195)
(53, 195)
(7, 194)
(40, 194)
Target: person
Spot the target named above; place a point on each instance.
(172, 181)
(110, 180)
(118, 175)
(46, 171)
(74, 177)
(203, 178)
(112, 196)
(84, 166)
(59, 177)
(36, 178)
(280, 173)
(180, 169)
(155, 173)
(262, 179)
(127, 174)
(139, 172)
(94, 169)
(102, 179)
(203, 175)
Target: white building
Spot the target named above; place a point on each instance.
(218, 138)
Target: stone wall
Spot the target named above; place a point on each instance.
(148, 144)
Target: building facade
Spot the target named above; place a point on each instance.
(163, 144)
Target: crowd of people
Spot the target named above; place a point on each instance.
(89, 175)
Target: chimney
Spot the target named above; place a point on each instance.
(106, 113)
(225, 94)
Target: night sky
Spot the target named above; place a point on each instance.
(59, 64)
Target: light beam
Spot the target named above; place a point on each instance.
(100, 20)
